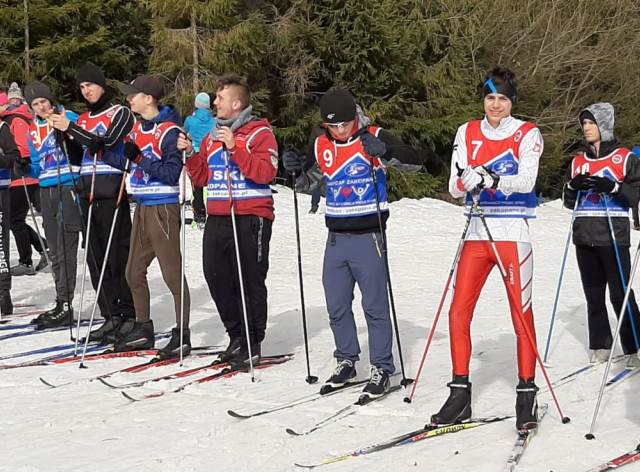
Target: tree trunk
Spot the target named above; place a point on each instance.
(194, 40)
(27, 71)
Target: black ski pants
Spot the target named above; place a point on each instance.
(221, 271)
(5, 219)
(599, 270)
(24, 235)
(115, 296)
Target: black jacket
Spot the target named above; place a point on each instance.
(8, 150)
(594, 231)
(106, 186)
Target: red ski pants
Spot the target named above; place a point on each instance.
(476, 262)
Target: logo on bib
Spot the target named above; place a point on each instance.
(356, 170)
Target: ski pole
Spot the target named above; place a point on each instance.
(60, 218)
(405, 381)
(86, 252)
(238, 262)
(311, 379)
(104, 262)
(454, 265)
(560, 277)
(616, 248)
(505, 278)
(183, 249)
(38, 233)
(627, 293)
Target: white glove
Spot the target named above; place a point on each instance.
(477, 178)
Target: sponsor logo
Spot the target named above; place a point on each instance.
(331, 115)
(504, 167)
(360, 191)
(616, 159)
(518, 136)
(356, 170)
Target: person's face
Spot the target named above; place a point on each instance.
(590, 131)
(138, 102)
(341, 131)
(91, 92)
(496, 107)
(227, 103)
(15, 101)
(42, 107)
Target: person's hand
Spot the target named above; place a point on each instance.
(96, 145)
(225, 135)
(21, 167)
(292, 161)
(477, 178)
(580, 182)
(132, 152)
(373, 146)
(60, 122)
(602, 184)
(185, 144)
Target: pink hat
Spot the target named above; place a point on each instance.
(3, 99)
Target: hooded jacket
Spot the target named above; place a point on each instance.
(198, 125)
(19, 119)
(594, 230)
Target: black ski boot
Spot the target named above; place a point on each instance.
(45, 314)
(526, 405)
(378, 384)
(457, 408)
(141, 337)
(6, 305)
(345, 371)
(61, 315)
(111, 324)
(232, 350)
(126, 326)
(242, 357)
(172, 349)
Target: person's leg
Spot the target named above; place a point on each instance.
(19, 227)
(141, 255)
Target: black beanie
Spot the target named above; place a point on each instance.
(37, 89)
(337, 106)
(91, 73)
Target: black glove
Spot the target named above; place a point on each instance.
(601, 184)
(373, 146)
(96, 145)
(21, 168)
(132, 151)
(292, 161)
(580, 182)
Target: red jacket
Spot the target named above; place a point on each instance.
(256, 157)
(19, 120)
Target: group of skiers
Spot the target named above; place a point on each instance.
(82, 164)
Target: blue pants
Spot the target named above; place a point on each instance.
(351, 258)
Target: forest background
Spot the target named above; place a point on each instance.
(414, 65)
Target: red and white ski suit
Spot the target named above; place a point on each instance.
(512, 151)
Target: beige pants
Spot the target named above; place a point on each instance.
(156, 233)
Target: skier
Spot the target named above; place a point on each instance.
(607, 175)
(60, 212)
(198, 125)
(347, 151)
(9, 159)
(99, 130)
(19, 120)
(494, 160)
(249, 145)
(156, 168)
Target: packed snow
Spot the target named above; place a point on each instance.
(88, 426)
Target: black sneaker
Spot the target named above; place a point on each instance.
(378, 384)
(126, 326)
(22, 269)
(110, 325)
(139, 338)
(345, 371)
(457, 408)
(526, 405)
(61, 315)
(172, 349)
(6, 305)
(232, 350)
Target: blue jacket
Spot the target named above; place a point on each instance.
(198, 125)
(48, 155)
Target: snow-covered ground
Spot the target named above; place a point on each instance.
(87, 426)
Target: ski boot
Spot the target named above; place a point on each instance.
(457, 408)
(61, 315)
(378, 384)
(172, 349)
(526, 405)
(141, 337)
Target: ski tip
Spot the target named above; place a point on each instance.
(237, 415)
(129, 397)
(48, 384)
(303, 466)
(292, 432)
(589, 436)
(104, 382)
